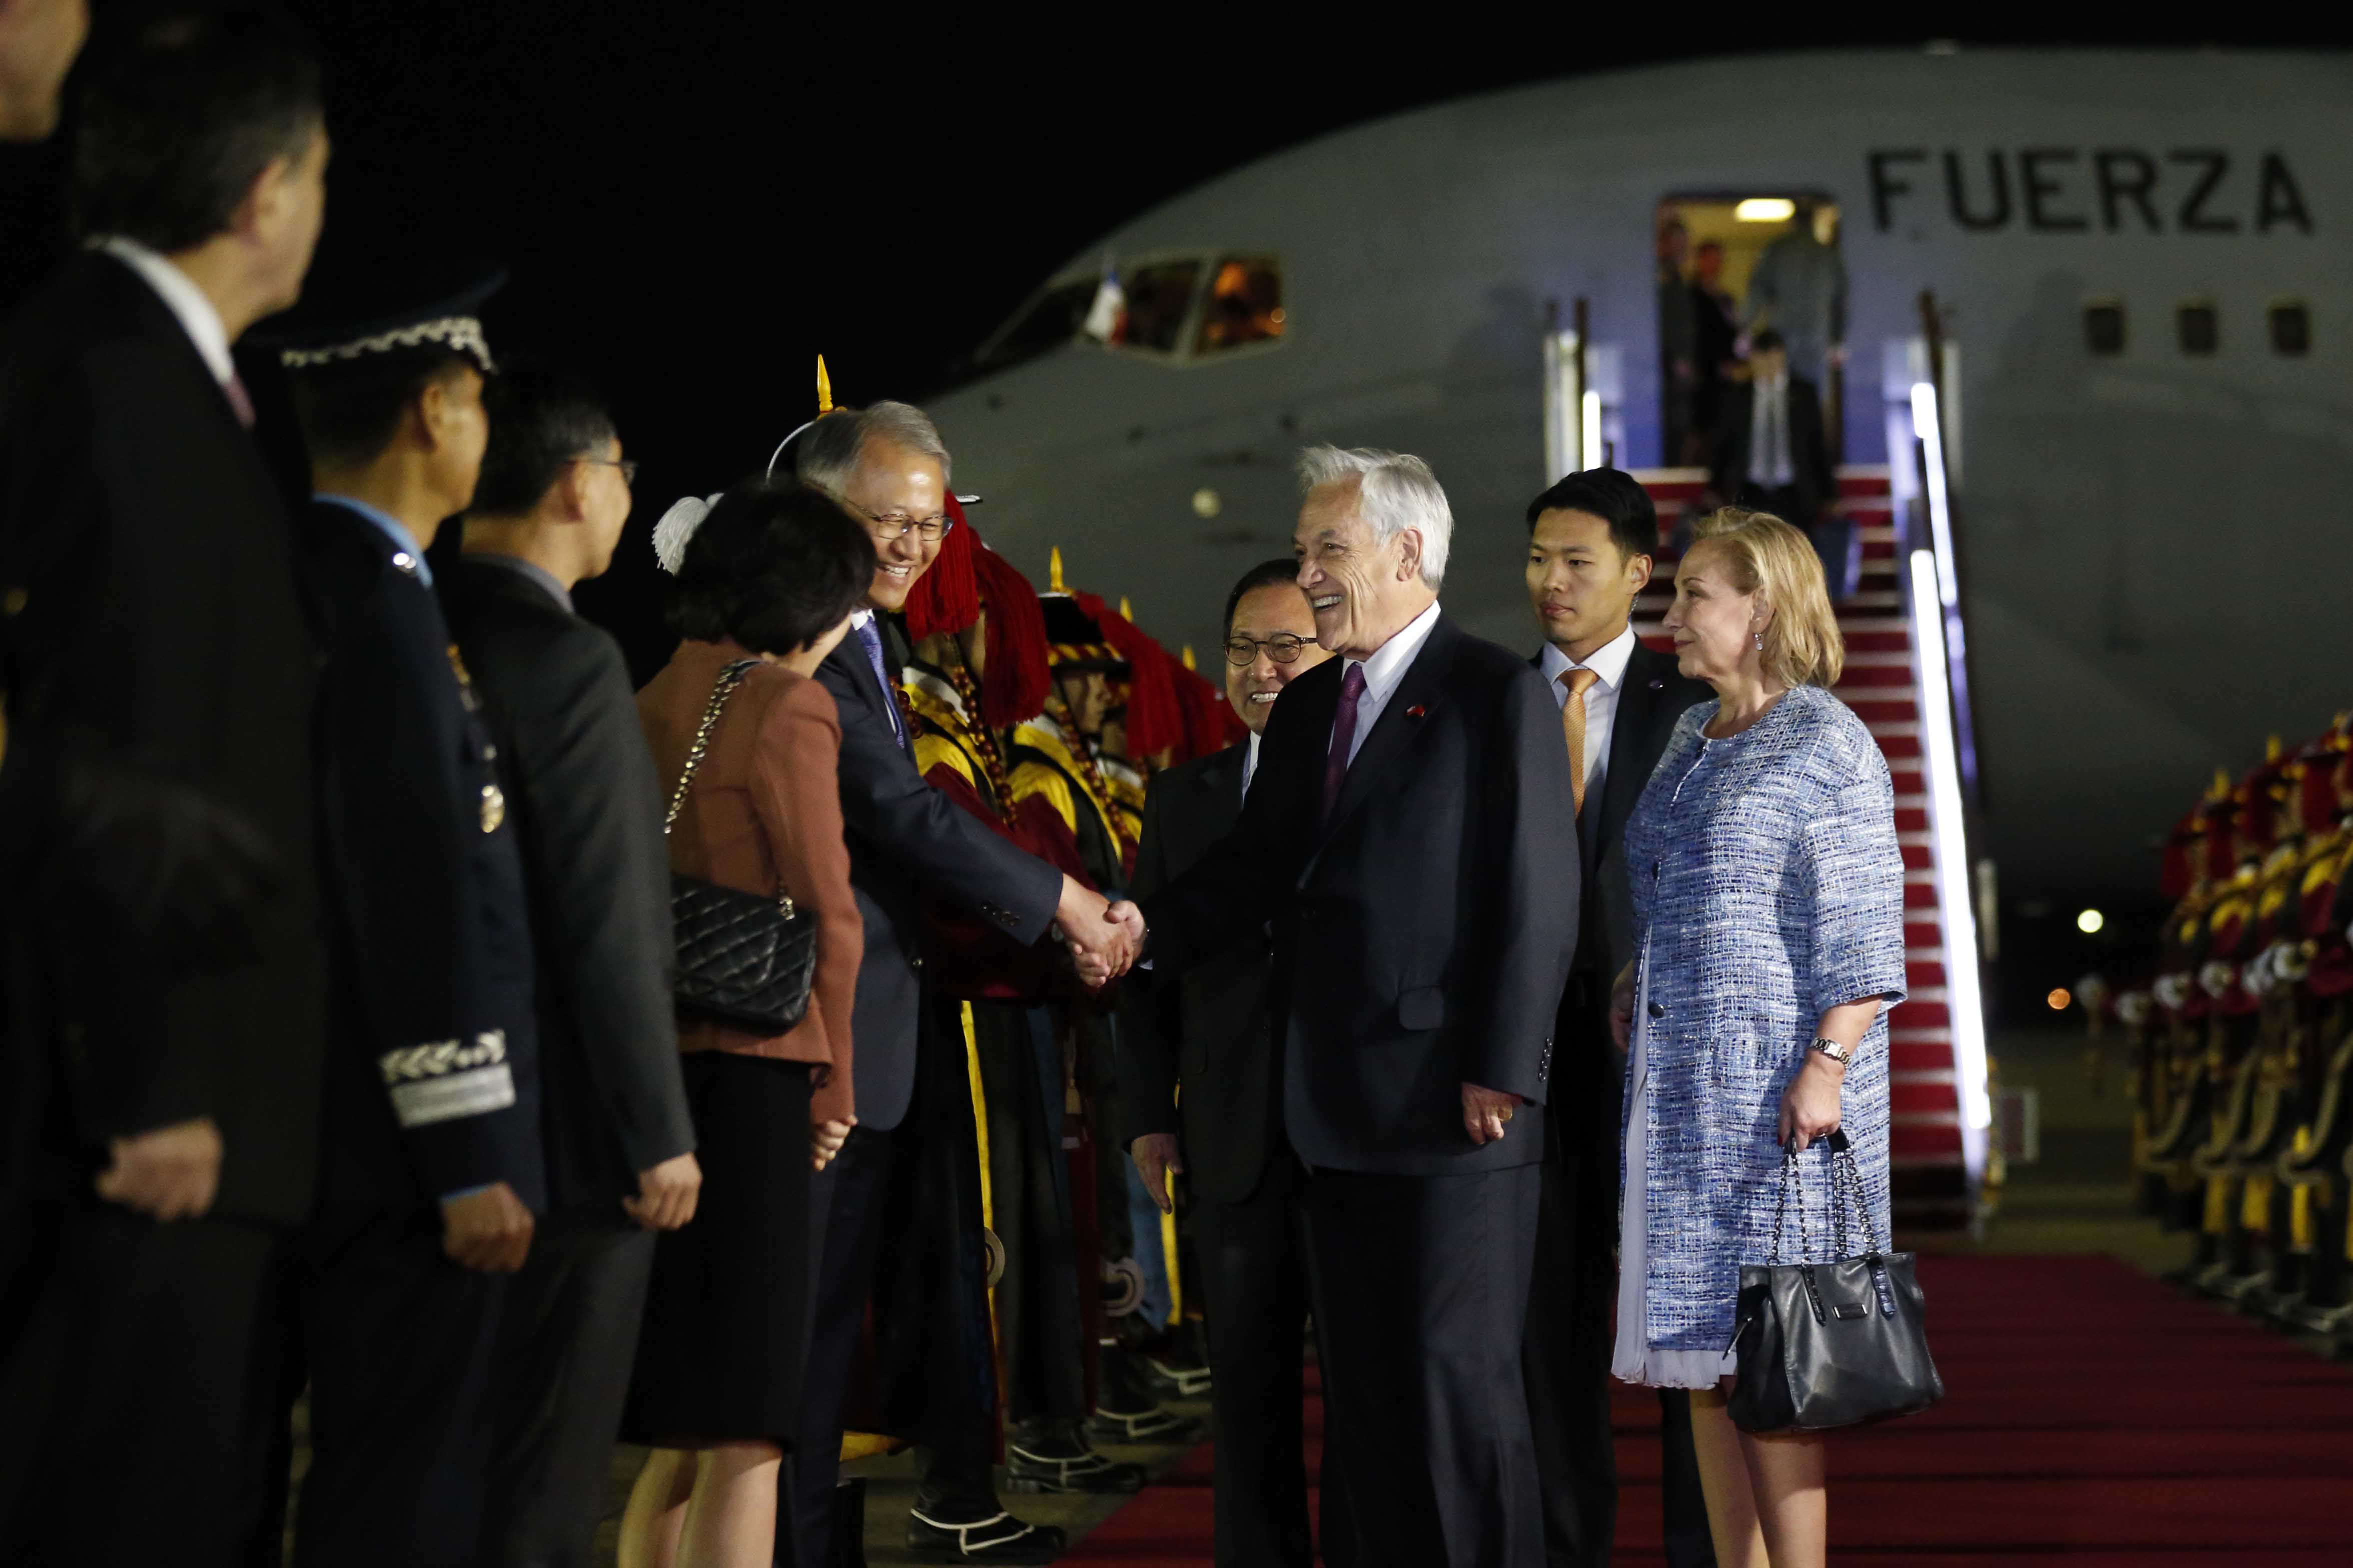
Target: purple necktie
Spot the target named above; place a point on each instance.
(1343, 737)
(238, 399)
(871, 641)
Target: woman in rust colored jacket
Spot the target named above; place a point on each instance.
(763, 593)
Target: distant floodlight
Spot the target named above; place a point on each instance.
(2090, 921)
(2059, 998)
(1206, 502)
(1765, 209)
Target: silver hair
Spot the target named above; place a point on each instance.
(1395, 491)
(830, 452)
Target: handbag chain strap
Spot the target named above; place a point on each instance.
(1846, 1192)
(729, 679)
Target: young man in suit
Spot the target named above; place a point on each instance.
(433, 1167)
(1591, 538)
(887, 464)
(1210, 1032)
(581, 789)
(163, 1079)
(1410, 834)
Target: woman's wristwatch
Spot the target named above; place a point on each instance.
(1832, 1050)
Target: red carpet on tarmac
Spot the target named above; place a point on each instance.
(2093, 1417)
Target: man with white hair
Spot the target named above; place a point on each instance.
(1411, 835)
(908, 842)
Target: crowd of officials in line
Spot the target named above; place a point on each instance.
(342, 1053)
(2239, 1038)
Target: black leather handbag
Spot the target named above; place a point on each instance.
(746, 959)
(1823, 1345)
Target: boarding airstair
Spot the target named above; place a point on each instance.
(1903, 697)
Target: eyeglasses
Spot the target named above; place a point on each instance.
(897, 525)
(629, 467)
(1282, 648)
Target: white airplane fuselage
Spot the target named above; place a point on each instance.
(2155, 556)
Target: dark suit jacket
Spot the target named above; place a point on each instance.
(582, 794)
(1651, 698)
(433, 1084)
(153, 617)
(1423, 933)
(1211, 1027)
(1816, 480)
(905, 839)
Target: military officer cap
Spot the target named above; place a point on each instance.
(436, 310)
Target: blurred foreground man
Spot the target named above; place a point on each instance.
(1410, 834)
(38, 41)
(433, 1168)
(1200, 1095)
(1591, 541)
(582, 791)
(161, 938)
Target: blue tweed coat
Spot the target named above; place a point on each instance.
(1767, 889)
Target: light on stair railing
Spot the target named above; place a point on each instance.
(1926, 426)
(1941, 766)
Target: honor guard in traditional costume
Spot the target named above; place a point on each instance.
(2318, 962)
(1055, 760)
(433, 1156)
(978, 668)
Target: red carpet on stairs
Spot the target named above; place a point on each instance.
(2092, 1418)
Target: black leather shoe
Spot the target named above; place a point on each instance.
(846, 1546)
(1000, 1538)
(1084, 1470)
(1151, 1424)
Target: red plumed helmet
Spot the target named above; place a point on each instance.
(1154, 721)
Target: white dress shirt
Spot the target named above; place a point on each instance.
(1608, 664)
(1383, 671)
(1768, 435)
(1249, 764)
(181, 296)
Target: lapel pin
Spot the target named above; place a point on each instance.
(1658, 683)
(1416, 712)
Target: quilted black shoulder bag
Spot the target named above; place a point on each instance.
(1830, 1344)
(746, 959)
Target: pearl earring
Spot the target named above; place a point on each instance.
(1760, 642)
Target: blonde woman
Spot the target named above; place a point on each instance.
(1768, 899)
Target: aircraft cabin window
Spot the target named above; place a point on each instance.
(1245, 304)
(2291, 328)
(1159, 298)
(2201, 331)
(2103, 327)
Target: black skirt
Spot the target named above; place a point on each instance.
(719, 1357)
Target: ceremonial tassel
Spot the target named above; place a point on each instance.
(1189, 657)
(1054, 571)
(1126, 612)
(1016, 681)
(946, 598)
(824, 389)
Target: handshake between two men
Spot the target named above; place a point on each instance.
(1104, 938)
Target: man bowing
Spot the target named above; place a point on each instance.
(1411, 835)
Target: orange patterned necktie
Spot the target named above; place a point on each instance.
(1572, 724)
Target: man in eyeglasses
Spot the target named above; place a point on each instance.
(1209, 1030)
(888, 467)
(581, 787)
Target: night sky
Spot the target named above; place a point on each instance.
(695, 198)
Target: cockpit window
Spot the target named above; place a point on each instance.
(1245, 304)
(1048, 323)
(1159, 298)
